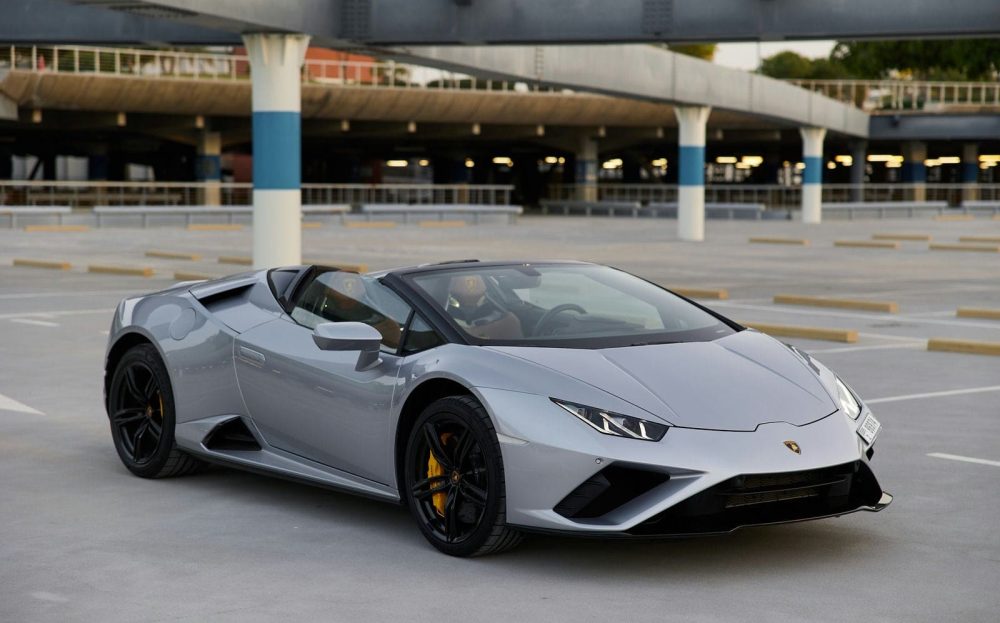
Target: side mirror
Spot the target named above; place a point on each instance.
(350, 336)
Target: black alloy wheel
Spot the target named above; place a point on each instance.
(141, 413)
(454, 479)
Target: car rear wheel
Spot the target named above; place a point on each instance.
(454, 480)
(141, 413)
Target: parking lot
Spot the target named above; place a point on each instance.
(82, 539)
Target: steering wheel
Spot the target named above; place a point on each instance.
(547, 317)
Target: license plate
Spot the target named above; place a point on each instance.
(869, 429)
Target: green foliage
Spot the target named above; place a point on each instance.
(704, 51)
(934, 59)
(959, 59)
(791, 66)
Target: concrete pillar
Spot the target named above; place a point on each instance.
(275, 71)
(691, 171)
(970, 171)
(586, 169)
(914, 170)
(812, 175)
(208, 167)
(859, 153)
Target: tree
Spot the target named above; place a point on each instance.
(786, 65)
(704, 51)
(791, 66)
(940, 59)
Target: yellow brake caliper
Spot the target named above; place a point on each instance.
(435, 469)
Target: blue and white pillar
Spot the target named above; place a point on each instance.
(275, 71)
(812, 175)
(914, 169)
(208, 167)
(691, 171)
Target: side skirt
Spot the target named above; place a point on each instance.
(271, 461)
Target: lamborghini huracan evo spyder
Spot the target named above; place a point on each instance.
(491, 399)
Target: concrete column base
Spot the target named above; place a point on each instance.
(691, 213)
(277, 228)
(812, 203)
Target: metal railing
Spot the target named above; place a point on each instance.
(175, 64)
(87, 194)
(479, 194)
(895, 95)
(776, 196)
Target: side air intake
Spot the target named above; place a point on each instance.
(607, 490)
(231, 435)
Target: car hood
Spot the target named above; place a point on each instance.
(735, 383)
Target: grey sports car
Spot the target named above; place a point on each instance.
(491, 399)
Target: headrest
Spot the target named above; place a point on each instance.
(347, 286)
(468, 290)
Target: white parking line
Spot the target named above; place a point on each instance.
(39, 323)
(54, 314)
(9, 404)
(966, 459)
(950, 392)
(39, 295)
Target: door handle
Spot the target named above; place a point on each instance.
(251, 356)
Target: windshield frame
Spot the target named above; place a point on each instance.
(405, 282)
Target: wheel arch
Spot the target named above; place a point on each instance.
(416, 401)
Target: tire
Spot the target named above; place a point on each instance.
(141, 414)
(463, 515)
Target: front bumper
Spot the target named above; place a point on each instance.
(692, 482)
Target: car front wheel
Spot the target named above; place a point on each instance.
(454, 479)
(141, 412)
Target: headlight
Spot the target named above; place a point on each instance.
(847, 400)
(615, 424)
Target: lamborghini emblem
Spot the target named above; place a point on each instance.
(794, 447)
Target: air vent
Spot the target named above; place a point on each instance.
(215, 299)
(231, 435)
(606, 490)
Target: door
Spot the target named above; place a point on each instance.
(311, 402)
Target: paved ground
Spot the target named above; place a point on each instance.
(82, 540)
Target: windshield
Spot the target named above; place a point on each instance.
(565, 305)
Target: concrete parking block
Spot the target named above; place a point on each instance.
(56, 228)
(965, 247)
(55, 265)
(174, 255)
(801, 242)
(819, 301)
(971, 347)
(905, 237)
(137, 271)
(701, 293)
(976, 312)
(867, 244)
(848, 336)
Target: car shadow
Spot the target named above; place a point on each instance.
(769, 550)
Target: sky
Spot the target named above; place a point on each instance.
(747, 55)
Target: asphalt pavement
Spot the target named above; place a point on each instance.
(83, 540)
